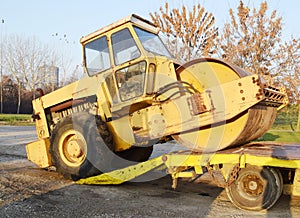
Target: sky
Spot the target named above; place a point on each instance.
(61, 23)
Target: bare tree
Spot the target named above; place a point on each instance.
(289, 71)
(253, 41)
(64, 60)
(24, 59)
(191, 34)
(76, 75)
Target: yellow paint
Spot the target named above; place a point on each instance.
(204, 75)
(122, 175)
(38, 153)
(219, 86)
(296, 183)
(41, 123)
(178, 163)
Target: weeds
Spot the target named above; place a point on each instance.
(16, 119)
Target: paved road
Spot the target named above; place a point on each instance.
(16, 135)
(13, 140)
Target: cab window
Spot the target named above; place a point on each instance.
(124, 47)
(131, 80)
(97, 56)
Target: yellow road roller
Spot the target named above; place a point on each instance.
(136, 95)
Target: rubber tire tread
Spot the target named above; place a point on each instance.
(271, 194)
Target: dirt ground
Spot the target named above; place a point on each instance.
(27, 191)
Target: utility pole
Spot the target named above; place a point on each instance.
(1, 63)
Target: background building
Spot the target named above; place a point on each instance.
(49, 76)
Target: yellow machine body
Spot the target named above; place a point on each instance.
(144, 96)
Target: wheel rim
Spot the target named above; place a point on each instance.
(72, 148)
(251, 186)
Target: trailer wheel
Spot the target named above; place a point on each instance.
(72, 150)
(256, 188)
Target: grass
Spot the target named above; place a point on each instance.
(16, 119)
(284, 126)
(281, 136)
(286, 118)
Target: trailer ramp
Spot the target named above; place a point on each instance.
(120, 176)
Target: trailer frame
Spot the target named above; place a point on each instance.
(276, 159)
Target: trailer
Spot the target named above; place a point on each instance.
(254, 175)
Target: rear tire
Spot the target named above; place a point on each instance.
(256, 188)
(82, 146)
(76, 147)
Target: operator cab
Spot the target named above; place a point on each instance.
(124, 54)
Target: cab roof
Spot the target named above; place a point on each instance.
(133, 18)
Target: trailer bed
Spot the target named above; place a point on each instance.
(256, 153)
(286, 151)
(251, 173)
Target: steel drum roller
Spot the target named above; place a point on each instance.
(246, 126)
